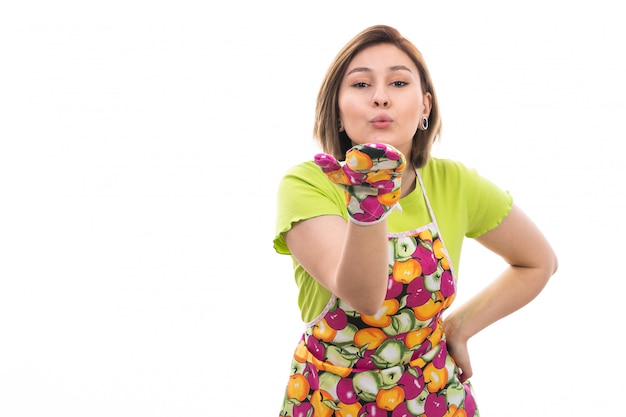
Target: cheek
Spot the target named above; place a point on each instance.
(412, 119)
(414, 113)
(349, 105)
(344, 108)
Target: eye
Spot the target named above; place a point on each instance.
(399, 83)
(360, 85)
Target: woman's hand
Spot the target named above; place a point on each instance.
(457, 347)
(371, 177)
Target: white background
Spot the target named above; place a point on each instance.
(141, 147)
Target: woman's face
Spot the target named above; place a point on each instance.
(381, 99)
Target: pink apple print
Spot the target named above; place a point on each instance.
(423, 348)
(401, 411)
(345, 391)
(394, 288)
(470, 404)
(326, 162)
(303, 410)
(316, 347)
(337, 319)
(412, 381)
(447, 284)
(418, 294)
(311, 374)
(391, 154)
(426, 258)
(363, 217)
(354, 176)
(436, 405)
(366, 362)
(372, 206)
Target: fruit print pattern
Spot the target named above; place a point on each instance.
(370, 178)
(391, 364)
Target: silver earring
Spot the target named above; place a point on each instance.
(424, 123)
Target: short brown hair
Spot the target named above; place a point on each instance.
(326, 127)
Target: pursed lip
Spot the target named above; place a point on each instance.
(381, 121)
(381, 118)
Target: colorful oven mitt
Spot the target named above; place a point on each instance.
(370, 176)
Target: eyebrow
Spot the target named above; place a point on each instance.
(366, 69)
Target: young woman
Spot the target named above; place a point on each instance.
(375, 227)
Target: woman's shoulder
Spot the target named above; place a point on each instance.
(446, 170)
(438, 163)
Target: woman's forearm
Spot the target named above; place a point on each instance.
(362, 270)
(513, 289)
(349, 260)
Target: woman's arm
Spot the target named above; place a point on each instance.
(531, 263)
(349, 260)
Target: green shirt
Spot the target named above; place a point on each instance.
(465, 204)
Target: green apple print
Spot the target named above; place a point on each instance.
(298, 367)
(391, 376)
(328, 382)
(432, 282)
(455, 393)
(340, 357)
(367, 384)
(401, 322)
(405, 246)
(345, 336)
(389, 353)
(417, 405)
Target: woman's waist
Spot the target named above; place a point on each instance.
(358, 348)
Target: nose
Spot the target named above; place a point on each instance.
(380, 98)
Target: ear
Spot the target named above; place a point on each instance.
(427, 101)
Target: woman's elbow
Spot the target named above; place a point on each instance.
(368, 309)
(551, 261)
(548, 266)
(368, 303)
(554, 264)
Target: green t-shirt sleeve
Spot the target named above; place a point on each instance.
(303, 193)
(487, 204)
(466, 203)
